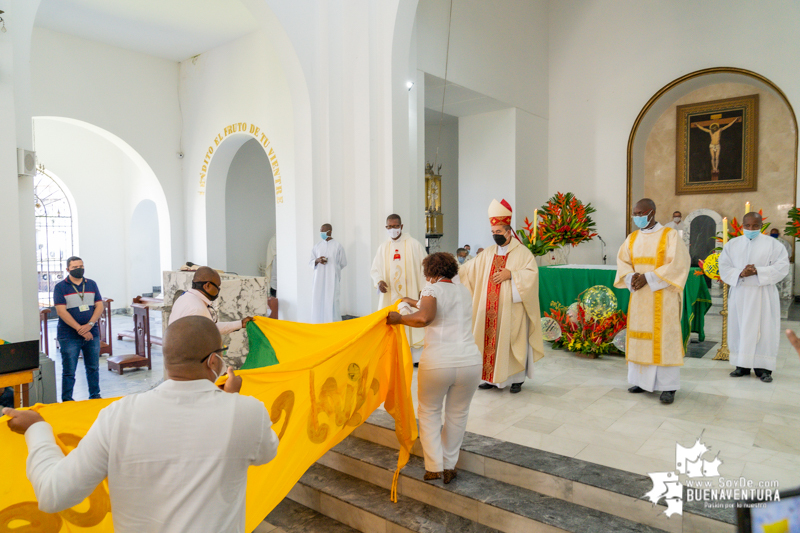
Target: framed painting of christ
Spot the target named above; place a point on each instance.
(717, 146)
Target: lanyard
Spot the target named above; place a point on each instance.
(83, 286)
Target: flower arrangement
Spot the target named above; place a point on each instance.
(531, 236)
(587, 336)
(566, 221)
(793, 226)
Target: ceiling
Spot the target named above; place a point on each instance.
(459, 101)
(170, 29)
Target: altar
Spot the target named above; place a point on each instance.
(239, 296)
(564, 283)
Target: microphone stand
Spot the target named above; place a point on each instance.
(603, 249)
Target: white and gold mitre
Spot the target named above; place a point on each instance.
(500, 213)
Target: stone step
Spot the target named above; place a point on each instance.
(367, 507)
(291, 517)
(598, 487)
(480, 499)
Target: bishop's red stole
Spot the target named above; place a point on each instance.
(490, 330)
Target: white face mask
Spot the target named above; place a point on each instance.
(222, 371)
(394, 232)
(676, 220)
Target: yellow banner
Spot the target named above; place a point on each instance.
(331, 377)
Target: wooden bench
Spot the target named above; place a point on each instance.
(142, 341)
(146, 301)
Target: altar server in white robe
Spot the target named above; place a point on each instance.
(653, 263)
(327, 260)
(397, 273)
(752, 265)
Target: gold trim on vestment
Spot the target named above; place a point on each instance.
(641, 335)
(644, 261)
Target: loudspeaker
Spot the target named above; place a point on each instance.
(43, 388)
(26, 162)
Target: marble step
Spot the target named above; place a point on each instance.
(367, 507)
(598, 487)
(487, 501)
(291, 517)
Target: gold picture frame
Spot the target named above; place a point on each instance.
(717, 146)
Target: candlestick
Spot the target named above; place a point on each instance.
(724, 231)
(535, 224)
(746, 208)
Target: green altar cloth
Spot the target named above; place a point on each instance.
(564, 283)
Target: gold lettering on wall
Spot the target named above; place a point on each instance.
(255, 131)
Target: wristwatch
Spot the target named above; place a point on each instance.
(91, 323)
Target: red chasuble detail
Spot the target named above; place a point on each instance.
(490, 331)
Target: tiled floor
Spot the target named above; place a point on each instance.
(581, 408)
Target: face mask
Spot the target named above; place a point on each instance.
(222, 371)
(641, 222)
(499, 239)
(323, 236)
(394, 232)
(752, 233)
(76, 273)
(461, 260)
(677, 220)
(775, 236)
(198, 286)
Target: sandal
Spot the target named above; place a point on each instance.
(429, 476)
(449, 475)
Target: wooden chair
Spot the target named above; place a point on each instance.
(142, 341)
(44, 339)
(131, 333)
(105, 328)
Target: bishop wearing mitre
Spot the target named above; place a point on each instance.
(653, 263)
(397, 273)
(506, 321)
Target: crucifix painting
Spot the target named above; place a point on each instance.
(717, 146)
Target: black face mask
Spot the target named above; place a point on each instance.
(499, 239)
(198, 286)
(76, 273)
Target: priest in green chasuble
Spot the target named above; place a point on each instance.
(504, 282)
(653, 263)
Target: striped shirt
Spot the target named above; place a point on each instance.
(80, 300)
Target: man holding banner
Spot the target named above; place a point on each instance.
(166, 470)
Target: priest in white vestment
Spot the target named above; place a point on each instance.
(506, 320)
(327, 260)
(397, 273)
(653, 263)
(271, 268)
(752, 265)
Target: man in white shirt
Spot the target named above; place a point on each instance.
(197, 301)
(176, 457)
(676, 223)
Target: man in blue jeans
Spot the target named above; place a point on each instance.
(79, 306)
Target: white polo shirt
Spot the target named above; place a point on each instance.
(195, 303)
(176, 458)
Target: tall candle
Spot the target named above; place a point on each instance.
(746, 208)
(724, 231)
(535, 224)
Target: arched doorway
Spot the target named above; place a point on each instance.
(56, 236)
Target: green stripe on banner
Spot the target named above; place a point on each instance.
(261, 351)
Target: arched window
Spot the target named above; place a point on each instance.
(54, 233)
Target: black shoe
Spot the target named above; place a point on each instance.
(636, 389)
(766, 378)
(416, 365)
(486, 386)
(739, 372)
(668, 396)
(516, 387)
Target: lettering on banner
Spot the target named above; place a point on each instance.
(255, 131)
(99, 507)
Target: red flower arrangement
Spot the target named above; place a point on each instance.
(537, 246)
(587, 336)
(793, 226)
(566, 221)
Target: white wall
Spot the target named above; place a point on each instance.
(249, 209)
(128, 94)
(608, 58)
(486, 171)
(448, 157)
(531, 170)
(496, 48)
(144, 262)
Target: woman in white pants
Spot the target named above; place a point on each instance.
(449, 366)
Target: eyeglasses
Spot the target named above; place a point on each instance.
(393, 226)
(221, 351)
